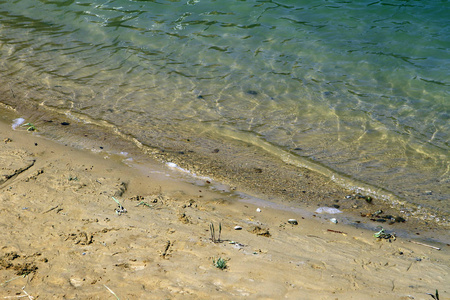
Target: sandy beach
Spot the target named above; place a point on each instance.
(64, 236)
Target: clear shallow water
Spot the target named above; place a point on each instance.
(360, 88)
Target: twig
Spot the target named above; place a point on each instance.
(111, 292)
(213, 233)
(336, 231)
(12, 91)
(11, 297)
(49, 210)
(429, 246)
(164, 254)
(29, 297)
(12, 279)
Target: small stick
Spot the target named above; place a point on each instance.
(213, 233)
(50, 209)
(111, 292)
(29, 297)
(11, 280)
(429, 246)
(336, 231)
(10, 297)
(12, 92)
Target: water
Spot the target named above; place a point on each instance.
(358, 91)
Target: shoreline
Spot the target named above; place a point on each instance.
(261, 176)
(63, 238)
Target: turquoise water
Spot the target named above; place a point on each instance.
(361, 88)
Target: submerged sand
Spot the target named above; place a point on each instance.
(62, 238)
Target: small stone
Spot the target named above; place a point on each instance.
(293, 221)
(399, 219)
(237, 228)
(258, 209)
(333, 220)
(76, 282)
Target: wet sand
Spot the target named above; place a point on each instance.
(63, 238)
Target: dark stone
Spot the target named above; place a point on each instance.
(65, 123)
(399, 219)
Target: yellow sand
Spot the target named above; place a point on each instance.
(62, 239)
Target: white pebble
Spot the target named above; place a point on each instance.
(293, 221)
(328, 210)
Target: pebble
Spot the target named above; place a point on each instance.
(333, 220)
(76, 282)
(237, 228)
(293, 221)
(328, 210)
(258, 209)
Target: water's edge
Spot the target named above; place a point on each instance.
(279, 179)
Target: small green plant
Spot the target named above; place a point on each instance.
(31, 127)
(436, 296)
(143, 203)
(220, 263)
(213, 232)
(383, 235)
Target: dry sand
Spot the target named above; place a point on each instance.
(62, 239)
